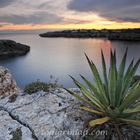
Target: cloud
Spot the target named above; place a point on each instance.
(35, 18)
(4, 3)
(27, 12)
(116, 10)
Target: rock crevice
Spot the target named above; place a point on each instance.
(20, 122)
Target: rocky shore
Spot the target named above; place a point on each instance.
(53, 115)
(122, 34)
(9, 48)
(39, 116)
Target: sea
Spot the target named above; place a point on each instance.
(54, 59)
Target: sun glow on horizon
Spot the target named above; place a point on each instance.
(74, 21)
(100, 25)
(68, 14)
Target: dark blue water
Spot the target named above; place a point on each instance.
(61, 57)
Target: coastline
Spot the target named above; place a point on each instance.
(117, 34)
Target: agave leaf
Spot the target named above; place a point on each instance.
(112, 79)
(92, 88)
(129, 77)
(105, 76)
(129, 121)
(79, 97)
(129, 69)
(122, 65)
(96, 75)
(99, 121)
(133, 111)
(104, 69)
(131, 97)
(87, 94)
(120, 77)
(120, 98)
(136, 84)
(97, 80)
(116, 79)
(91, 110)
(136, 109)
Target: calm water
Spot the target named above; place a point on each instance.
(61, 57)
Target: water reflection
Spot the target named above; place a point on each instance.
(60, 57)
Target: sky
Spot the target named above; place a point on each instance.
(69, 14)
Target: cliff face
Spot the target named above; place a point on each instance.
(9, 48)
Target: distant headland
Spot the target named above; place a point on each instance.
(10, 48)
(111, 34)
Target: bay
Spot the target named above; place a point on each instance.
(61, 57)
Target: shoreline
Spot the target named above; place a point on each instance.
(116, 34)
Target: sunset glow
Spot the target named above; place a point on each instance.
(72, 26)
(68, 14)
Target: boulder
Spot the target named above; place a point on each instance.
(8, 85)
(9, 48)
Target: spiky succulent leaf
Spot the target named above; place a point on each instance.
(87, 94)
(128, 79)
(98, 81)
(104, 69)
(120, 77)
(79, 97)
(133, 110)
(129, 121)
(93, 90)
(105, 76)
(99, 121)
(91, 110)
(131, 98)
(112, 79)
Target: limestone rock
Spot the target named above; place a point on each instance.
(51, 116)
(7, 85)
(11, 129)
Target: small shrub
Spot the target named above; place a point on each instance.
(38, 86)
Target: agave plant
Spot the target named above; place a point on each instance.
(111, 96)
